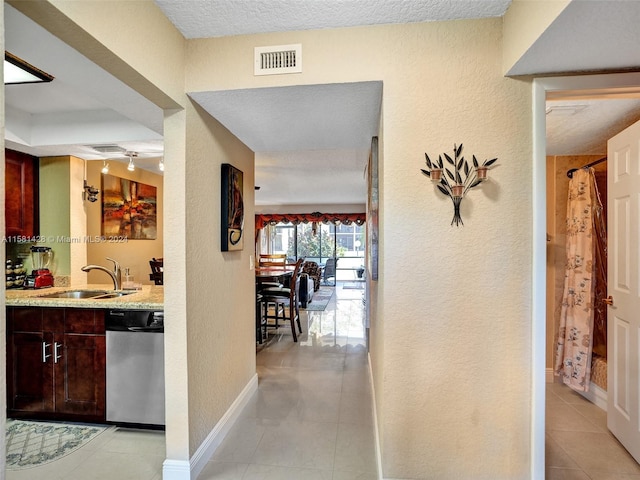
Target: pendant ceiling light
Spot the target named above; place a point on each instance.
(131, 167)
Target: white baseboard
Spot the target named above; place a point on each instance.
(186, 470)
(176, 470)
(595, 395)
(376, 431)
(548, 375)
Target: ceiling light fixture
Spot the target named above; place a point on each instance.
(105, 167)
(17, 71)
(131, 167)
(161, 164)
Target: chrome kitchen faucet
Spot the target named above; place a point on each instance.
(115, 275)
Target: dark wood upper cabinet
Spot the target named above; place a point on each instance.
(21, 194)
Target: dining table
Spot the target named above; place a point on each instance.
(279, 273)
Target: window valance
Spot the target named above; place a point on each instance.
(296, 218)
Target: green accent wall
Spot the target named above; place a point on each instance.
(55, 219)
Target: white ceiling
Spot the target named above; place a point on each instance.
(82, 106)
(582, 127)
(86, 106)
(312, 141)
(219, 18)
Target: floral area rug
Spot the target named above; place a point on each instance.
(31, 444)
(320, 300)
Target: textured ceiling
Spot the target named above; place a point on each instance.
(586, 131)
(218, 18)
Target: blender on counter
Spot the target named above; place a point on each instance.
(40, 275)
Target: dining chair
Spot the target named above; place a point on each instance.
(157, 271)
(286, 296)
(329, 271)
(272, 259)
(261, 321)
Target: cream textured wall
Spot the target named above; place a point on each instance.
(451, 348)
(524, 22)
(176, 285)
(221, 294)
(134, 254)
(457, 349)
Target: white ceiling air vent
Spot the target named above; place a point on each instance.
(108, 149)
(565, 110)
(278, 59)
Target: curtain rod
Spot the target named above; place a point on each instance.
(570, 172)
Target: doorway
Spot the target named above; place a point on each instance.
(603, 85)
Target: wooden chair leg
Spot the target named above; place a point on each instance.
(292, 310)
(259, 335)
(297, 316)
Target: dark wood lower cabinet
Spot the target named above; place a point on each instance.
(29, 379)
(56, 363)
(82, 373)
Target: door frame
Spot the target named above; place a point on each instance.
(600, 84)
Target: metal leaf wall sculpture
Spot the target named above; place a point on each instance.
(457, 177)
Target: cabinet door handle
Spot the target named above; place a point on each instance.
(44, 351)
(56, 357)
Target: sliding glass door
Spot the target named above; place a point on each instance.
(319, 247)
(338, 249)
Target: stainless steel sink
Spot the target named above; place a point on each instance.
(113, 295)
(93, 294)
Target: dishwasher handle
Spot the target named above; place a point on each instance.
(146, 329)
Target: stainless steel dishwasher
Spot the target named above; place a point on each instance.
(135, 367)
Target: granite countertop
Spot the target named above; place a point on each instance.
(151, 297)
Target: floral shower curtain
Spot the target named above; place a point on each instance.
(575, 335)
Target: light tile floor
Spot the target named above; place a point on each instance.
(310, 419)
(124, 454)
(312, 415)
(578, 444)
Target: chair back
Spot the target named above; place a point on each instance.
(157, 271)
(272, 259)
(330, 268)
(294, 279)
